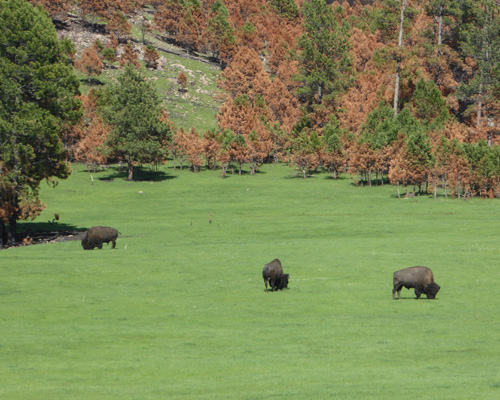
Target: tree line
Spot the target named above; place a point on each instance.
(396, 91)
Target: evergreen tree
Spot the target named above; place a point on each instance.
(481, 41)
(221, 31)
(484, 167)
(445, 14)
(394, 20)
(132, 107)
(325, 65)
(37, 104)
(286, 8)
(428, 105)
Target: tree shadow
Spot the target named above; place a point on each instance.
(245, 172)
(141, 174)
(339, 178)
(300, 176)
(29, 233)
(93, 82)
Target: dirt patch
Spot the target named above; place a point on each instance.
(41, 237)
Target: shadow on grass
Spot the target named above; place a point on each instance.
(414, 298)
(243, 172)
(29, 233)
(300, 176)
(338, 178)
(229, 172)
(141, 174)
(93, 82)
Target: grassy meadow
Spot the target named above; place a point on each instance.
(179, 311)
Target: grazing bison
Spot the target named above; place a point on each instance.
(273, 273)
(420, 278)
(97, 235)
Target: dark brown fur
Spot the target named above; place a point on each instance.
(420, 278)
(97, 235)
(273, 273)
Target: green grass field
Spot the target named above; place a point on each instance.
(179, 311)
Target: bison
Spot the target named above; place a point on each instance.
(273, 273)
(420, 278)
(97, 235)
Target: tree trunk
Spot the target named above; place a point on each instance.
(130, 170)
(439, 44)
(479, 106)
(398, 67)
(3, 238)
(11, 234)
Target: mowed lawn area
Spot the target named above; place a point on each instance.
(179, 311)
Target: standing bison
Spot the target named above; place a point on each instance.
(420, 278)
(97, 235)
(273, 273)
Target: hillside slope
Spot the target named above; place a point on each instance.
(196, 107)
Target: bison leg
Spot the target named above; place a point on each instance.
(397, 288)
(265, 282)
(418, 292)
(99, 245)
(113, 244)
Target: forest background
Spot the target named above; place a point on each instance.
(404, 92)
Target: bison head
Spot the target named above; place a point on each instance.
(87, 244)
(431, 290)
(284, 281)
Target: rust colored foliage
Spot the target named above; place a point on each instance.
(90, 148)
(90, 134)
(55, 8)
(89, 63)
(184, 21)
(178, 148)
(113, 41)
(94, 7)
(194, 149)
(129, 56)
(241, 75)
(188, 146)
(182, 81)
(151, 57)
(212, 148)
(119, 25)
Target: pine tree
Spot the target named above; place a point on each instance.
(394, 21)
(151, 56)
(481, 41)
(37, 103)
(221, 31)
(324, 61)
(132, 108)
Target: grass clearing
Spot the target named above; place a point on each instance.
(179, 311)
